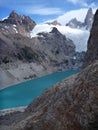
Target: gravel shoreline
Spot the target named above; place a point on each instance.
(11, 110)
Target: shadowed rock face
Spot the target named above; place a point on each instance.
(52, 49)
(92, 48)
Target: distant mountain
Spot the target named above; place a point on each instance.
(74, 23)
(53, 23)
(71, 25)
(80, 15)
(78, 36)
(86, 24)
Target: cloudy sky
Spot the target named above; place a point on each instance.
(42, 10)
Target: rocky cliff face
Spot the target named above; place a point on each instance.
(16, 23)
(92, 51)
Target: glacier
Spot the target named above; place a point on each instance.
(78, 36)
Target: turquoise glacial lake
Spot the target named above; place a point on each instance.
(22, 94)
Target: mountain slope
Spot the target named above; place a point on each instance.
(27, 58)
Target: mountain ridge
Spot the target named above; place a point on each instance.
(16, 23)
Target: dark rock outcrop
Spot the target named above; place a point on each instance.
(92, 48)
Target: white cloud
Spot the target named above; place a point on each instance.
(73, 1)
(42, 10)
(93, 5)
(66, 17)
(79, 37)
(83, 3)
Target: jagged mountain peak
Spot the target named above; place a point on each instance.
(13, 14)
(55, 30)
(88, 19)
(16, 18)
(86, 24)
(16, 23)
(90, 11)
(74, 23)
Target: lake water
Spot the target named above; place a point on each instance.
(22, 94)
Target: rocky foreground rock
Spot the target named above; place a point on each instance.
(92, 51)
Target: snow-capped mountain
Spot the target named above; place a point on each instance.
(71, 25)
(78, 14)
(86, 24)
(79, 37)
